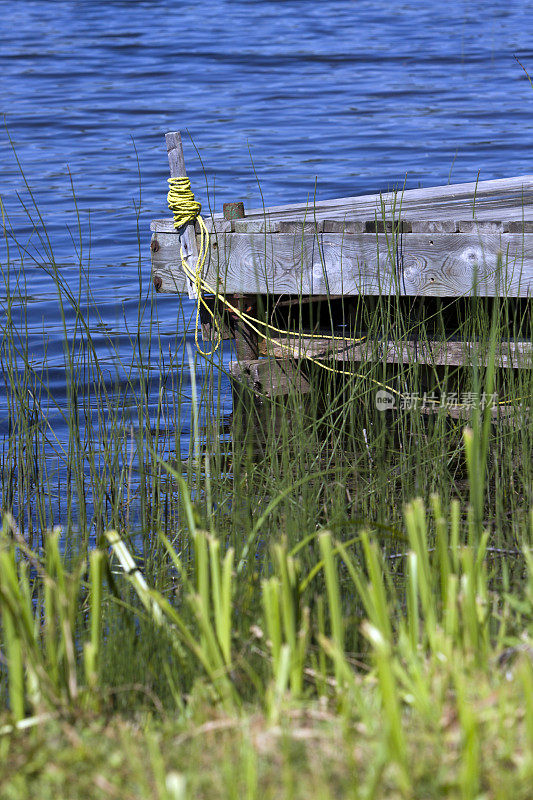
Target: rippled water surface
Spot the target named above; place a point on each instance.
(361, 95)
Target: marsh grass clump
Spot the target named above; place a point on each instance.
(312, 590)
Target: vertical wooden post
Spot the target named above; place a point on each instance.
(246, 343)
(176, 163)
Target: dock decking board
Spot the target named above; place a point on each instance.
(493, 223)
(512, 198)
(413, 264)
(450, 235)
(513, 355)
(518, 191)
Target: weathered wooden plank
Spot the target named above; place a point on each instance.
(490, 210)
(436, 219)
(434, 226)
(167, 273)
(253, 226)
(435, 352)
(515, 188)
(166, 225)
(524, 226)
(480, 227)
(349, 226)
(298, 226)
(215, 225)
(506, 190)
(387, 226)
(346, 226)
(512, 198)
(218, 224)
(269, 376)
(444, 265)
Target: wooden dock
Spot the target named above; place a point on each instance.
(453, 243)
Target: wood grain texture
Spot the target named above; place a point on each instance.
(443, 265)
(270, 377)
(507, 193)
(451, 220)
(363, 225)
(213, 224)
(303, 255)
(502, 200)
(167, 273)
(437, 353)
(501, 188)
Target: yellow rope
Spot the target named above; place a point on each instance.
(186, 209)
(181, 201)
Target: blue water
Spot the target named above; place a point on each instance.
(361, 95)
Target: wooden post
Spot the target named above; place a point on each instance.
(246, 344)
(233, 210)
(176, 163)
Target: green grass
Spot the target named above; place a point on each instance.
(332, 601)
(313, 751)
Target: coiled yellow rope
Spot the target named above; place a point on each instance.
(185, 209)
(182, 202)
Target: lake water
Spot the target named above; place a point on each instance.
(361, 95)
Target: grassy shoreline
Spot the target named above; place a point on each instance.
(313, 751)
(274, 615)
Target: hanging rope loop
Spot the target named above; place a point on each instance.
(185, 208)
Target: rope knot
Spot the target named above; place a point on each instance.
(181, 202)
